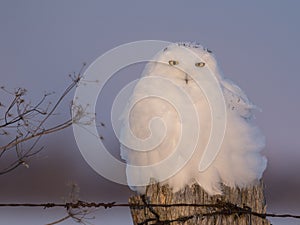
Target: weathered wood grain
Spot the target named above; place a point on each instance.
(252, 197)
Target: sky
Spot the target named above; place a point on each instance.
(256, 44)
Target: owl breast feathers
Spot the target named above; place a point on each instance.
(238, 162)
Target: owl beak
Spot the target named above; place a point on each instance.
(186, 78)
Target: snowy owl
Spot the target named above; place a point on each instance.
(238, 162)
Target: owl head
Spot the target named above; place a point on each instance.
(179, 60)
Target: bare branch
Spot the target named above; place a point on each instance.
(26, 122)
(60, 220)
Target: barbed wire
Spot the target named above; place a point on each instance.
(225, 208)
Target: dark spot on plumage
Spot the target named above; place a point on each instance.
(209, 51)
(189, 44)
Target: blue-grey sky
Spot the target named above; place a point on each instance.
(256, 44)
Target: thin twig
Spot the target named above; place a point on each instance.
(27, 123)
(60, 220)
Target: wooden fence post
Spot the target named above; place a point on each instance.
(224, 209)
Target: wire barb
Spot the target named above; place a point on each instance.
(223, 208)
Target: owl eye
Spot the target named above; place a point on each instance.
(200, 64)
(173, 62)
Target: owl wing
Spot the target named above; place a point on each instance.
(141, 120)
(236, 99)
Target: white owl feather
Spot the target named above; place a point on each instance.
(239, 162)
